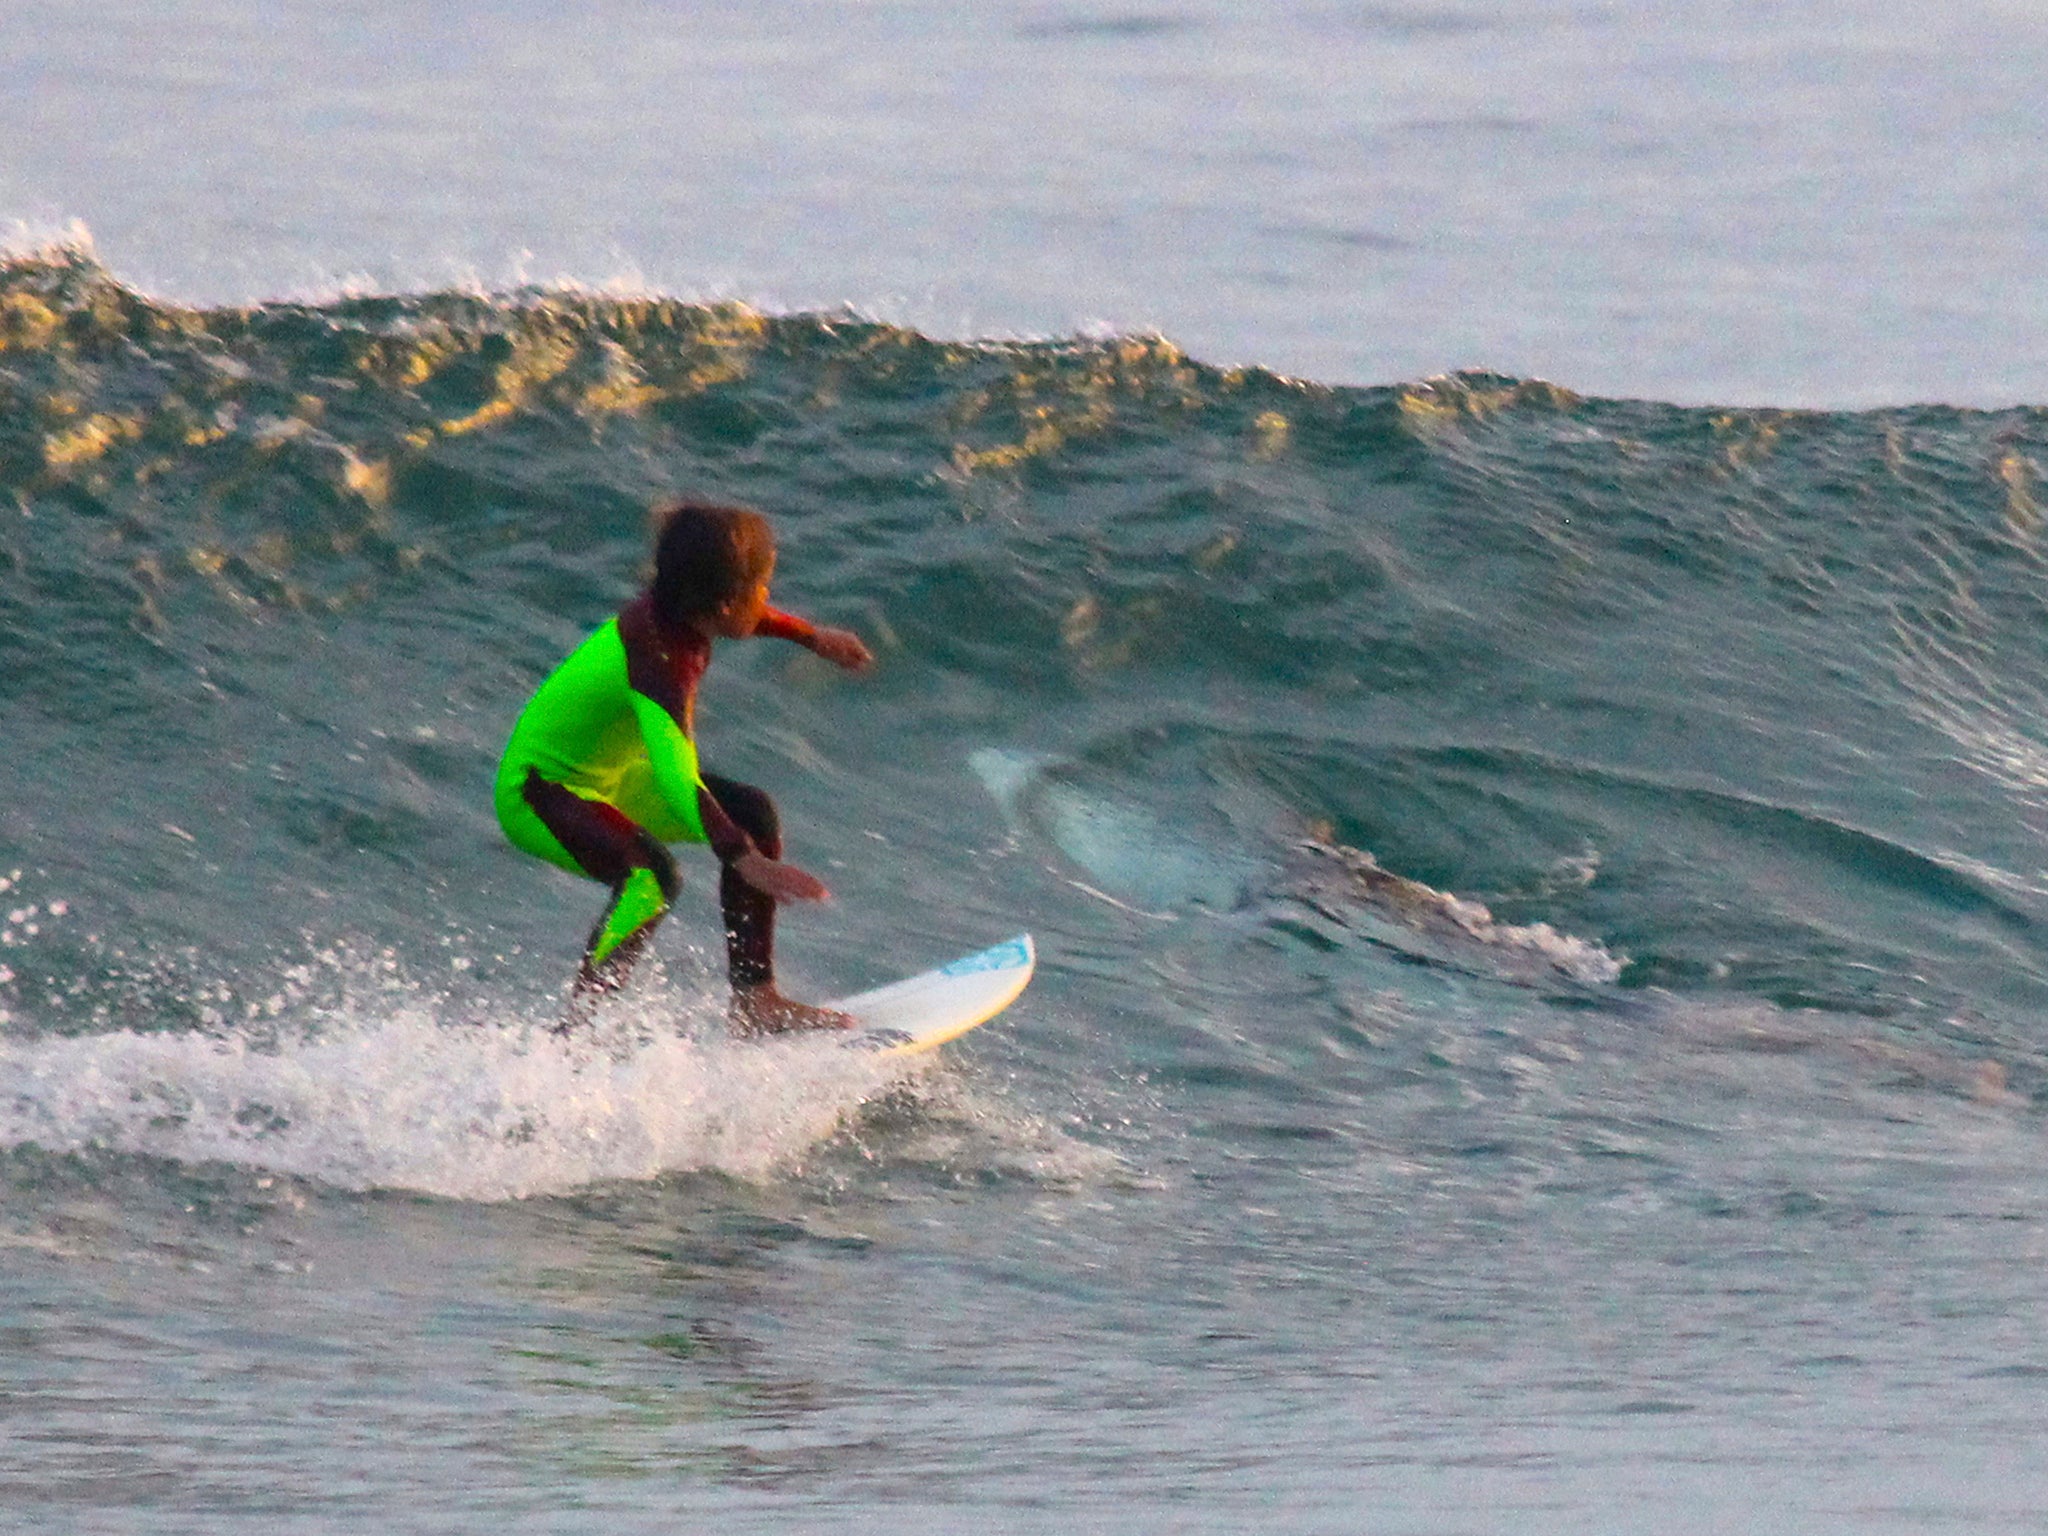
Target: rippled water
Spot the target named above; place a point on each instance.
(1540, 896)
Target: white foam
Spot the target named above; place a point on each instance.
(1365, 889)
(1583, 960)
(390, 1097)
(49, 239)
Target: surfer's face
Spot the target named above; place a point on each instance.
(741, 614)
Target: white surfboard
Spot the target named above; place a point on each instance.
(925, 1011)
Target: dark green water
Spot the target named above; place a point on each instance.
(1261, 1199)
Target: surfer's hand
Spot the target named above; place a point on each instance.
(842, 647)
(785, 882)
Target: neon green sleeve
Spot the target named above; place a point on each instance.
(674, 757)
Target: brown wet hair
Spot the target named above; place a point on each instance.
(705, 555)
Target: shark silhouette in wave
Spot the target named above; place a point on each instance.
(1136, 860)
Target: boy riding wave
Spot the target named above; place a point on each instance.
(601, 770)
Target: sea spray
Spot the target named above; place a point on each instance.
(392, 1098)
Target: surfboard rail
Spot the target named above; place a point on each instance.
(922, 1012)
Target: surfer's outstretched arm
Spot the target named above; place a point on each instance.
(841, 647)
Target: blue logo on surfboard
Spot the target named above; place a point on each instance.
(1003, 957)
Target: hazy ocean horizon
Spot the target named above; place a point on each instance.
(1733, 204)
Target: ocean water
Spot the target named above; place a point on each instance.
(1540, 888)
(1727, 202)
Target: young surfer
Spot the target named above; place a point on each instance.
(602, 771)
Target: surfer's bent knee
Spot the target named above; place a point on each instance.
(754, 810)
(589, 837)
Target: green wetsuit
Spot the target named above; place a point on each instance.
(588, 730)
(601, 770)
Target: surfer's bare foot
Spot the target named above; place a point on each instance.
(765, 1011)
